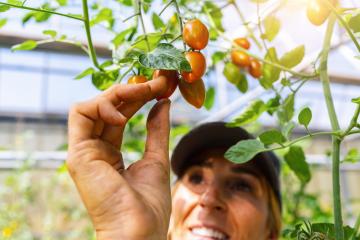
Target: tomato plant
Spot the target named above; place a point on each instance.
(173, 45)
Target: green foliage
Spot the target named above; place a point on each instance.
(244, 150)
(272, 27)
(27, 45)
(165, 56)
(305, 116)
(354, 23)
(210, 98)
(270, 73)
(250, 114)
(235, 76)
(3, 21)
(295, 158)
(103, 80)
(286, 112)
(157, 22)
(85, 73)
(293, 57)
(217, 57)
(50, 33)
(272, 136)
(352, 156)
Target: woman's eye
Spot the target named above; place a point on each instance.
(242, 186)
(195, 178)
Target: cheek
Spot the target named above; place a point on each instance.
(182, 203)
(249, 219)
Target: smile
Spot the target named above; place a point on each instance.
(209, 233)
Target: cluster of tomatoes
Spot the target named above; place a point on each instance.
(192, 88)
(317, 11)
(243, 60)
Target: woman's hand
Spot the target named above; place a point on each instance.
(132, 203)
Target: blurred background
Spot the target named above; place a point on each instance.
(38, 199)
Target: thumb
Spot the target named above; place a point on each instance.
(158, 129)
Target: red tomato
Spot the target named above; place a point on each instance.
(240, 58)
(172, 78)
(196, 34)
(242, 42)
(255, 68)
(194, 93)
(198, 66)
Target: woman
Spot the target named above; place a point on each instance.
(213, 198)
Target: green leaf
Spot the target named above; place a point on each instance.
(295, 158)
(210, 98)
(120, 37)
(15, 2)
(165, 56)
(153, 40)
(352, 156)
(270, 74)
(356, 100)
(3, 21)
(27, 45)
(103, 80)
(305, 116)
(215, 14)
(293, 57)
(287, 129)
(62, 2)
(217, 57)
(272, 26)
(250, 114)
(272, 136)
(4, 8)
(51, 33)
(272, 104)
(244, 151)
(157, 22)
(354, 23)
(286, 111)
(104, 15)
(85, 73)
(125, 2)
(242, 85)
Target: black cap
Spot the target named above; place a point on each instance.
(218, 135)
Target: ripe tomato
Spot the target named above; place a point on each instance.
(172, 78)
(196, 34)
(198, 66)
(242, 42)
(240, 58)
(317, 11)
(255, 68)
(194, 93)
(136, 79)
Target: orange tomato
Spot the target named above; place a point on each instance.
(172, 78)
(198, 66)
(194, 93)
(255, 68)
(240, 58)
(136, 79)
(242, 42)
(196, 34)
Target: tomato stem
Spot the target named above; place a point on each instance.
(336, 141)
(88, 35)
(143, 26)
(353, 121)
(180, 20)
(42, 10)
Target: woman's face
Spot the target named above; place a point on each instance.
(219, 200)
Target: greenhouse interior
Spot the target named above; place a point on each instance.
(38, 86)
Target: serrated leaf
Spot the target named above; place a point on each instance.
(157, 22)
(250, 114)
(27, 45)
(272, 26)
(165, 56)
(295, 158)
(244, 151)
(272, 136)
(51, 33)
(293, 57)
(210, 98)
(84, 73)
(270, 74)
(305, 116)
(354, 23)
(3, 21)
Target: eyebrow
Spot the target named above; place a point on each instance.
(245, 169)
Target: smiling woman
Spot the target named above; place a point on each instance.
(215, 199)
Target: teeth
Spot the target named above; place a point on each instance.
(208, 232)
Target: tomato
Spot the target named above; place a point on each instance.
(196, 34)
(194, 93)
(198, 66)
(172, 78)
(136, 79)
(242, 42)
(240, 58)
(255, 68)
(317, 11)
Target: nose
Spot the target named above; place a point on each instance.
(211, 198)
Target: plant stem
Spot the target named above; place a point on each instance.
(143, 26)
(88, 35)
(324, 77)
(180, 20)
(346, 26)
(250, 31)
(353, 121)
(42, 10)
(166, 6)
(121, 77)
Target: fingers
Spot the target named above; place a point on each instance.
(83, 116)
(158, 127)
